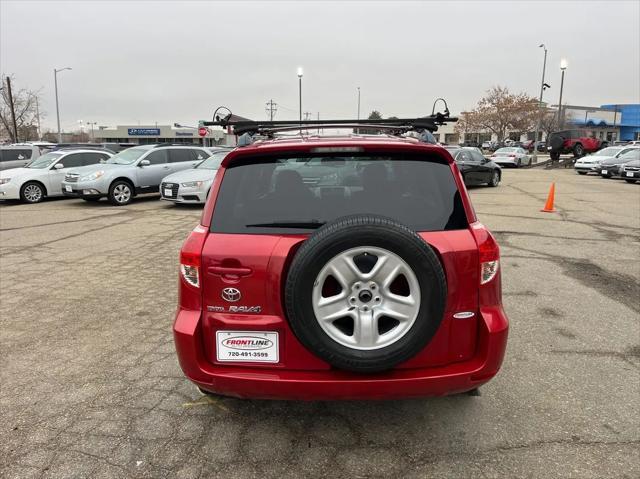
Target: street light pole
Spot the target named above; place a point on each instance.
(92, 123)
(563, 67)
(535, 138)
(358, 129)
(55, 81)
(300, 90)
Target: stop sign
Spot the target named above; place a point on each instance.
(202, 131)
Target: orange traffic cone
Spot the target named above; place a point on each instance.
(548, 207)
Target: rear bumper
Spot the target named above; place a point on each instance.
(247, 382)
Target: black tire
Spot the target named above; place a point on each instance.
(495, 179)
(556, 142)
(581, 172)
(630, 181)
(578, 150)
(115, 198)
(32, 192)
(555, 155)
(519, 163)
(357, 231)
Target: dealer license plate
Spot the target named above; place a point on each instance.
(247, 346)
(630, 174)
(604, 172)
(168, 192)
(68, 188)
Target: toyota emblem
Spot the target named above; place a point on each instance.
(231, 294)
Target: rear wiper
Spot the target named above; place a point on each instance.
(312, 224)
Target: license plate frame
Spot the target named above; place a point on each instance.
(630, 174)
(168, 192)
(604, 172)
(247, 346)
(68, 188)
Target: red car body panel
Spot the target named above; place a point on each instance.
(462, 355)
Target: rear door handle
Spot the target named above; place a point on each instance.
(229, 272)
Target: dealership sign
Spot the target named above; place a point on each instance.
(143, 131)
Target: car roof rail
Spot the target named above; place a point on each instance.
(188, 145)
(395, 126)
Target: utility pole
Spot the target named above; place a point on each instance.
(307, 115)
(55, 81)
(38, 119)
(13, 111)
(271, 109)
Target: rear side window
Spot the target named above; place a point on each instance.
(15, 155)
(294, 195)
(180, 155)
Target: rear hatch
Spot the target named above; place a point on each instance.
(267, 205)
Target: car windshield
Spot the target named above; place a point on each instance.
(607, 151)
(128, 156)
(44, 161)
(275, 195)
(213, 162)
(506, 150)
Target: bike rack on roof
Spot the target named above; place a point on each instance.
(396, 126)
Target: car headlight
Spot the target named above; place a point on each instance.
(93, 176)
(192, 184)
(4, 180)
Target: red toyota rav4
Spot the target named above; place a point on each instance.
(339, 268)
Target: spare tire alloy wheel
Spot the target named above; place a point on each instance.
(365, 293)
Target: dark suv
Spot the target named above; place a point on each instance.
(339, 268)
(577, 142)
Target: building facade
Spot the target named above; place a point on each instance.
(143, 135)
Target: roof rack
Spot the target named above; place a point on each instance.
(396, 126)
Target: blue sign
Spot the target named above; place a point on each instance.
(143, 131)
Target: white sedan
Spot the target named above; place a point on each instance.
(591, 163)
(511, 156)
(193, 185)
(43, 176)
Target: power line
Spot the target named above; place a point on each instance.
(271, 109)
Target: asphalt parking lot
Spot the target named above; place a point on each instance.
(90, 386)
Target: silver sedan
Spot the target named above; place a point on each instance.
(511, 156)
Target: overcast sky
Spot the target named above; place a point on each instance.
(170, 61)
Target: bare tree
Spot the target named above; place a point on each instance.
(500, 111)
(26, 110)
(549, 122)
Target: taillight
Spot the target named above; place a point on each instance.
(488, 251)
(190, 254)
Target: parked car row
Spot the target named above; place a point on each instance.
(185, 173)
(611, 162)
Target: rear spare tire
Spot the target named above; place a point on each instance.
(556, 142)
(365, 293)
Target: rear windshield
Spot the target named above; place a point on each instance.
(294, 195)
